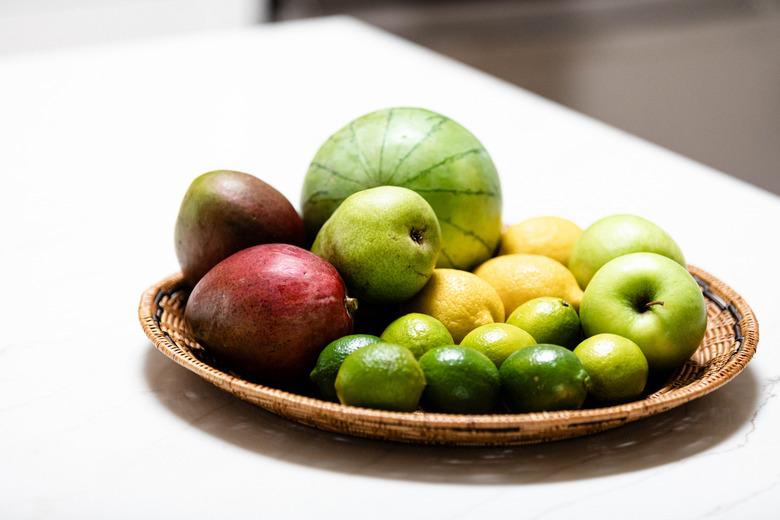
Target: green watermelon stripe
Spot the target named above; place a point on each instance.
(427, 136)
(361, 157)
(318, 192)
(337, 174)
(449, 259)
(467, 232)
(384, 139)
(446, 160)
(314, 200)
(457, 192)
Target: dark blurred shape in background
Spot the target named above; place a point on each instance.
(701, 77)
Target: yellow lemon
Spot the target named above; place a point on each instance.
(520, 278)
(460, 300)
(546, 236)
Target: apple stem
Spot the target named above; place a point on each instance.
(351, 304)
(654, 302)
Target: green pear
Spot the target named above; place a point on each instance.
(384, 241)
(615, 236)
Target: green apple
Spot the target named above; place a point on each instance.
(384, 241)
(615, 236)
(651, 300)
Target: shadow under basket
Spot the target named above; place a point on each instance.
(727, 347)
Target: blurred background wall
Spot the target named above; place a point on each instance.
(29, 25)
(701, 77)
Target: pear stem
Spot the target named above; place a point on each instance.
(654, 302)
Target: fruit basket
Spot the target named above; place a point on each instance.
(727, 347)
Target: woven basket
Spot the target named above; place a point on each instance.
(730, 342)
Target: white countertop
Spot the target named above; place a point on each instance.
(98, 145)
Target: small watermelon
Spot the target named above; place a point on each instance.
(425, 152)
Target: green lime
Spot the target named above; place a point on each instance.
(549, 320)
(331, 358)
(498, 340)
(459, 380)
(417, 332)
(381, 375)
(616, 365)
(543, 378)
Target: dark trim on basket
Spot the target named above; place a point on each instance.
(433, 428)
(497, 429)
(717, 300)
(158, 310)
(705, 289)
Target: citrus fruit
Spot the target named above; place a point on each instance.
(548, 236)
(381, 375)
(543, 378)
(420, 150)
(460, 300)
(549, 320)
(459, 380)
(498, 340)
(417, 332)
(331, 358)
(616, 365)
(519, 278)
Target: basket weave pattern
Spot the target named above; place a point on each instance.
(728, 345)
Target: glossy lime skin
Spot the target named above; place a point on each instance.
(383, 376)
(331, 358)
(417, 332)
(617, 368)
(651, 300)
(498, 340)
(548, 320)
(459, 380)
(425, 152)
(543, 378)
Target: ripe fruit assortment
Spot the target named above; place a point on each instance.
(401, 303)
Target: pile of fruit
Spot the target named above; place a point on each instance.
(399, 289)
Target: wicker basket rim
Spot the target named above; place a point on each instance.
(728, 298)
